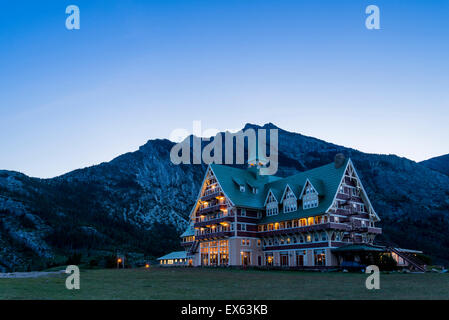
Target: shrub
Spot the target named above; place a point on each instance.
(74, 259)
(93, 263)
(385, 262)
(424, 258)
(110, 261)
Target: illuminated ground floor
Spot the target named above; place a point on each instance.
(252, 253)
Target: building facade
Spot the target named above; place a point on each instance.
(242, 218)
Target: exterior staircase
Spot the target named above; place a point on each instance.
(194, 247)
(413, 261)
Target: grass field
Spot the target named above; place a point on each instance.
(160, 283)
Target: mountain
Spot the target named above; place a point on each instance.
(139, 203)
(440, 164)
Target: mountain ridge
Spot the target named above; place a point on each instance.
(139, 202)
(440, 164)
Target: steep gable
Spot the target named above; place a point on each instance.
(325, 180)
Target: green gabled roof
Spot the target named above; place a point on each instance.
(230, 177)
(325, 179)
(174, 255)
(190, 231)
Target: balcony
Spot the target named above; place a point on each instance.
(187, 243)
(310, 228)
(361, 229)
(349, 210)
(213, 235)
(211, 192)
(213, 219)
(212, 208)
(374, 230)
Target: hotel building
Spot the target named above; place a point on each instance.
(312, 219)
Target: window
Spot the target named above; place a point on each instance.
(271, 198)
(272, 211)
(269, 259)
(259, 242)
(300, 257)
(246, 242)
(243, 212)
(243, 227)
(320, 257)
(242, 188)
(284, 259)
(289, 194)
(309, 238)
(272, 205)
(254, 190)
(308, 204)
(290, 206)
(310, 198)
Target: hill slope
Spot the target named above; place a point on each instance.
(139, 202)
(440, 164)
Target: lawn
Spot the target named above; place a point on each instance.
(195, 283)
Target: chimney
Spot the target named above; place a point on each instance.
(339, 160)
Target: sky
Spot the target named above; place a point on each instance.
(138, 70)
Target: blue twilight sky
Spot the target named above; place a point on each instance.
(136, 70)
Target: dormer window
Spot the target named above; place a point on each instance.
(271, 205)
(254, 190)
(289, 201)
(289, 194)
(309, 197)
(309, 204)
(242, 188)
